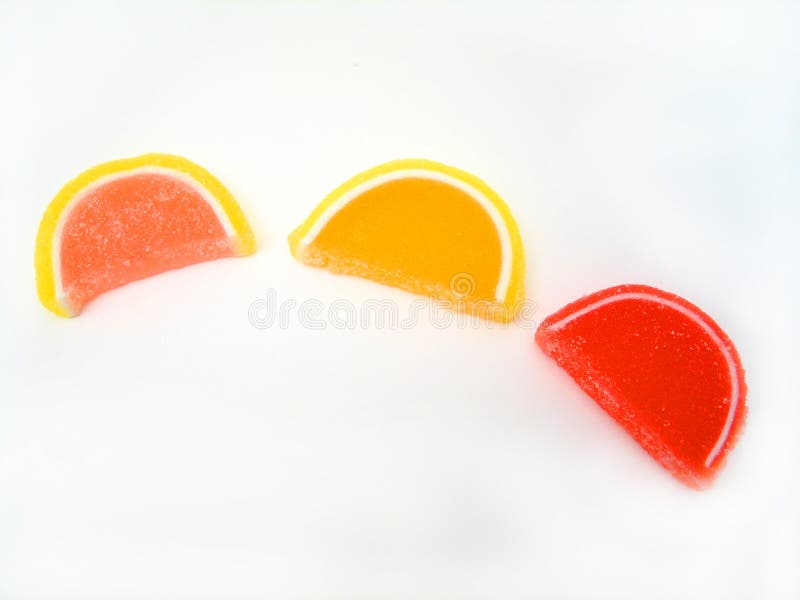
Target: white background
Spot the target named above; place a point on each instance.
(160, 446)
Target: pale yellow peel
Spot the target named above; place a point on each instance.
(515, 293)
(243, 241)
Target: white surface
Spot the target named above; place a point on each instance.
(160, 446)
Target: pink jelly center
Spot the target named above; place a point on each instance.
(134, 227)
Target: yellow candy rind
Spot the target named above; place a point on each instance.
(516, 287)
(243, 242)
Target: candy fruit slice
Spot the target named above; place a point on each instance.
(423, 227)
(129, 219)
(658, 365)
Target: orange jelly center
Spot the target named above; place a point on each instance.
(416, 234)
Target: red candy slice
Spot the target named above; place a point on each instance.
(661, 367)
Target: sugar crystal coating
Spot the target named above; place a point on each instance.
(423, 227)
(659, 366)
(131, 218)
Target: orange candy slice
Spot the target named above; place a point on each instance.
(423, 227)
(129, 219)
(660, 367)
